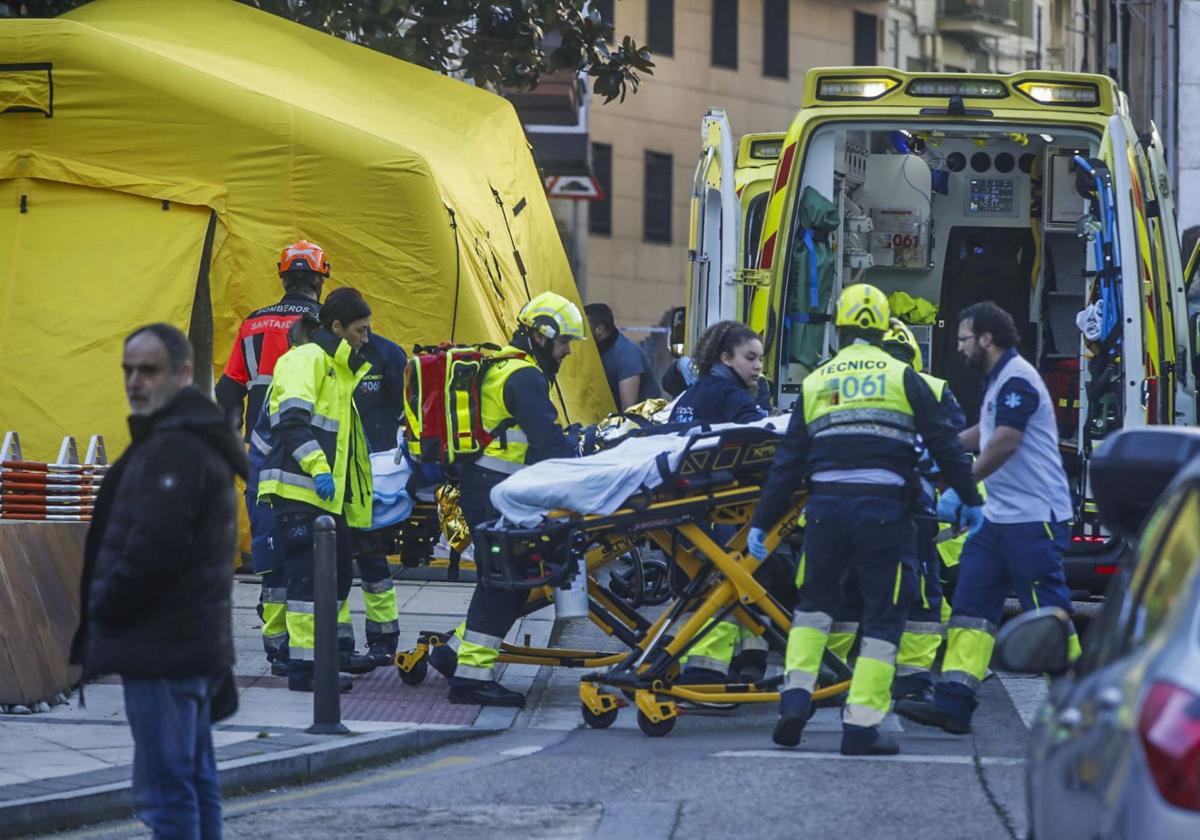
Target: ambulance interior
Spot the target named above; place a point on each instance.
(953, 215)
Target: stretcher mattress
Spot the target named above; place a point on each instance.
(600, 483)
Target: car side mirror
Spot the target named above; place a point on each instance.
(1036, 642)
(678, 337)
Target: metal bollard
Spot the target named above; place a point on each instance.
(327, 699)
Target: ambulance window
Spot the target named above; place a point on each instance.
(754, 222)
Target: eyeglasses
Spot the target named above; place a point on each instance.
(963, 339)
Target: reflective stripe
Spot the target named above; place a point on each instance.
(290, 478)
(515, 435)
(869, 429)
(816, 620)
(877, 649)
(301, 654)
(748, 643)
(301, 607)
(291, 404)
(379, 586)
(260, 443)
(910, 670)
(800, 679)
(499, 464)
(706, 662)
(305, 449)
(482, 639)
(250, 358)
(928, 628)
(470, 672)
(899, 579)
(275, 595)
(326, 424)
(961, 677)
(968, 650)
(382, 627)
(860, 714)
(260, 381)
(871, 416)
(968, 622)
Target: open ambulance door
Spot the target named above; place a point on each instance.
(714, 231)
(1177, 353)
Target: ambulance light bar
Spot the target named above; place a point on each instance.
(968, 88)
(837, 88)
(1083, 95)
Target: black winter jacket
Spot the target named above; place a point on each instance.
(155, 596)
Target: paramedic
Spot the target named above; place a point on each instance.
(853, 436)
(516, 400)
(1026, 521)
(923, 628)
(379, 399)
(729, 362)
(318, 464)
(626, 365)
(261, 340)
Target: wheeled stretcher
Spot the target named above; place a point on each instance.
(711, 480)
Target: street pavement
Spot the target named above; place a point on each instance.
(541, 773)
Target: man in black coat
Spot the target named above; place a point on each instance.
(155, 600)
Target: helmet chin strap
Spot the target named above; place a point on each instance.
(542, 354)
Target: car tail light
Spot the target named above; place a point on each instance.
(1106, 570)
(1169, 725)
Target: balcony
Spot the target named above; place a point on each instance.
(982, 18)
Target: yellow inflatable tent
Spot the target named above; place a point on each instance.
(155, 155)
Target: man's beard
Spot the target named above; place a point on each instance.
(977, 360)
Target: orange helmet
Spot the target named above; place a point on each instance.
(305, 255)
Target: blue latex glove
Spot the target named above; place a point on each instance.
(948, 507)
(971, 517)
(325, 488)
(756, 544)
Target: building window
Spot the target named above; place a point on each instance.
(605, 10)
(866, 38)
(776, 37)
(725, 33)
(600, 212)
(656, 212)
(660, 26)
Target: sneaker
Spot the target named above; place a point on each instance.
(930, 714)
(443, 659)
(485, 693)
(303, 681)
(382, 654)
(867, 740)
(355, 663)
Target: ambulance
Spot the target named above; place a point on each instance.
(1032, 190)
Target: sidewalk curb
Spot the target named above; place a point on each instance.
(60, 812)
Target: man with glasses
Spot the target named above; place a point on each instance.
(1026, 518)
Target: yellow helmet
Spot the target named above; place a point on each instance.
(863, 306)
(552, 315)
(899, 333)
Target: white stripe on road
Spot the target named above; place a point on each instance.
(997, 761)
(1026, 692)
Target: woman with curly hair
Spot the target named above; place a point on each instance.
(729, 359)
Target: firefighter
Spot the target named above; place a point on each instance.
(379, 398)
(261, 340)
(515, 397)
(318, 463)
(1026, 523)
(853, 438)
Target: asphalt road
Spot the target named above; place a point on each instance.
(715, 775)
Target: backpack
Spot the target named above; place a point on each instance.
(443, 402)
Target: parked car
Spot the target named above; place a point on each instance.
(1115, 750)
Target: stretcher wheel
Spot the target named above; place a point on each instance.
(417, 675)
(598, 721)
(653, 729)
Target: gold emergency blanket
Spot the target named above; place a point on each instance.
(450, 517)
(155, 156)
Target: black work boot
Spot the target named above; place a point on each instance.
(443, 659)
(749, 666)
(867, 740)
(279, 668)
(795, 708)
(484, 693)
(350, 662)
(382, 653)
(930, 713)
(303, 681)
(913, 686)
(699, 676)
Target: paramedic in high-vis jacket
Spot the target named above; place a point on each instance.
(1026, 522)
(515, 396)
(852, 437)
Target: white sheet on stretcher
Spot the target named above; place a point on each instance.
(599, 483)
